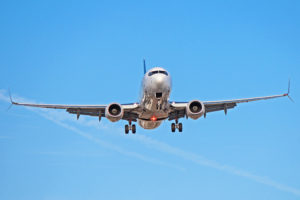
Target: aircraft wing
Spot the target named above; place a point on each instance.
(130, 110)
(178, 108)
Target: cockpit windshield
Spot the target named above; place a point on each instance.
(158, 72)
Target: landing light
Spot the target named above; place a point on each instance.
(153, 118)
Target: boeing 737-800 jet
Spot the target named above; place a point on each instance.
(154, 106)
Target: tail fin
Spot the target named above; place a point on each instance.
(145, 67)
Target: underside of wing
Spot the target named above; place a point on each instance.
(217, 107)
(60, 106)
(129, 110)
(179, 109)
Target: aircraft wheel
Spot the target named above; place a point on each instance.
(126, 129)
(133, 129)
(180, 127)
(173, 127)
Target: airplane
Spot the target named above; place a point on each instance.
(154, 106)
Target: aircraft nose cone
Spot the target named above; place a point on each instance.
(161, 82)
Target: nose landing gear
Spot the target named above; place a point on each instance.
(130, 127)
(175, 126)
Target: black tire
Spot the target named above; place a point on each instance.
(180, 127)
(173, 127)
(126, 129)
(133, 129)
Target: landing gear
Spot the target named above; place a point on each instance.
(173, 127)
(130, 127)
(133, 129)
(180, 127)
(176, 126)
(126, 129)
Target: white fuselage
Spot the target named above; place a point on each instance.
(156, 90)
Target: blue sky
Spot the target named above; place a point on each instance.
(74, 52)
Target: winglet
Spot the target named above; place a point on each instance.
(288, 93)
(289, 86)
(11, 100)
(9, 93)
(144, 62)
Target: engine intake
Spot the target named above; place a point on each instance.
(195, 109)
(114, 112)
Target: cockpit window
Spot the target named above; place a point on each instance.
(163, 72)
(153, 72)
(158, 72)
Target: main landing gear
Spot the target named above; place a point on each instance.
(130, 127)
(175, 126)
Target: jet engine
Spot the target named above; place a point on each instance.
(195, 109)
(114, 112)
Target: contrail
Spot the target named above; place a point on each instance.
(53, 117)
(109, 145)
(166, 148)
(200, 160)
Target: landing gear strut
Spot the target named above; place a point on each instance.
(175, 126)
(129, 127)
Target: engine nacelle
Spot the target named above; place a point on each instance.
(114, 112)
(195, 109)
